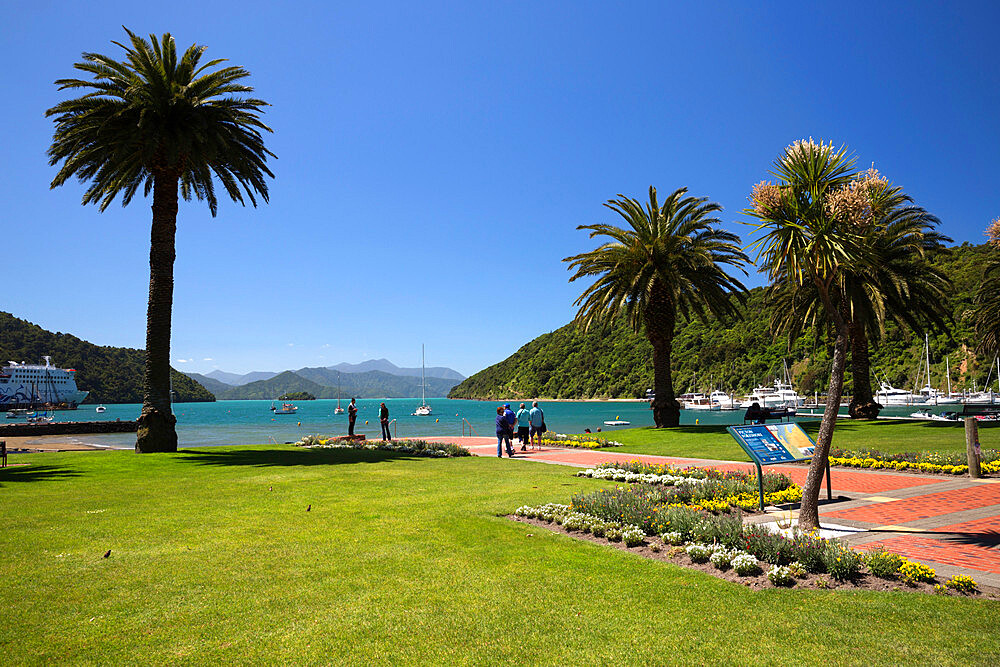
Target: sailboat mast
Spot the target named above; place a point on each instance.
(947, 372)
(927, 352)
(423, 383)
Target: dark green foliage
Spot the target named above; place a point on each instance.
(110, 374)
(614, 362)
(297, 396)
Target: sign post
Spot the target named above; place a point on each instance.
(775, 443)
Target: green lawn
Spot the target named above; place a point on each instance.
(713, 442)
(401, 560)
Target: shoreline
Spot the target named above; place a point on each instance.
(30, 444)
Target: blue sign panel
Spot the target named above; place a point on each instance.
(775, 443)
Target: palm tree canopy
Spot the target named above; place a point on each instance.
(667, 256)
(156, 114)
(900, 283)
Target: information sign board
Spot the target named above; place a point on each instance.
(774, 443)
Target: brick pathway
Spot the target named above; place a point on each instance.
(950, 523)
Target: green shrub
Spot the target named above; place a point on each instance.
(810, 551)
(726, 529)
(884, 564)
(842, 562)
(769, 547)
(780, 576)
(699, 553)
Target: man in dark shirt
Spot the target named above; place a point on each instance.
(352, 416)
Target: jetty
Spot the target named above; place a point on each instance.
(69, 428)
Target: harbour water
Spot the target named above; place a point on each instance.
(252, 422)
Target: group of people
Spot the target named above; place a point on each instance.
(528, 424)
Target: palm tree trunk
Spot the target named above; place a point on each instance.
(156, 423)
(666, 409)
(863, 405)
(659, 321)
(809, 510)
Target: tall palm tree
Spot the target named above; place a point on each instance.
(158, 122)
(805, 243)
(899, 284)
(666, 263)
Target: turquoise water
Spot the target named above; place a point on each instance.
(252, 422)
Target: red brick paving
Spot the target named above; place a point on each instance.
(923, 507)
(970, 556)
(988, 525)
(847, 480)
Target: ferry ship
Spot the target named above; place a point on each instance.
(29, 385)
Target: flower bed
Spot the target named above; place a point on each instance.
(585, 441)
(953, 463)
(414, 447)
(707, 489)
(751, 554)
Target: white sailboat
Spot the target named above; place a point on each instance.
(339, 410)
(424, 410)
(927, 393)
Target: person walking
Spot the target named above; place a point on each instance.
(383, 417)
(523, 422)
(352, 416)
(536, 421)
(503, 434)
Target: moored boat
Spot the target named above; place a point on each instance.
(25, 385)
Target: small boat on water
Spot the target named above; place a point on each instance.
(616, 422)
(723, 400)
(100, 409)
(696, 401)
(927, 415)
(338, 410)
(286, 409)
(888, 395)
(423, 410)
(43, 418)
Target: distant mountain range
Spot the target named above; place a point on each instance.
(378, 378)
(381, 365)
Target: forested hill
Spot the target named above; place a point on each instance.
(110, 374)
(614, 362)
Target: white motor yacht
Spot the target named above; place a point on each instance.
(888, 395)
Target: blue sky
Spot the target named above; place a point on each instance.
(435, 159)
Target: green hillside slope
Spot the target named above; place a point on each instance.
(614, 362)
(110, 374)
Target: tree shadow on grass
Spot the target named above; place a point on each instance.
(290, 457)
(33, 473)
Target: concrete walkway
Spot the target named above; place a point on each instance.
(950, 523)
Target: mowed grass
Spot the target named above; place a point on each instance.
(714, 442)
(400, 560)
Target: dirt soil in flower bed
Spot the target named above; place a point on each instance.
(864, 582)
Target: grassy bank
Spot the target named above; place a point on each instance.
(713, 442)
(214, 558)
